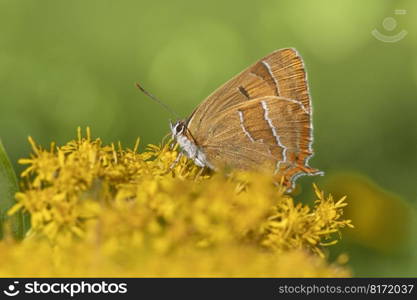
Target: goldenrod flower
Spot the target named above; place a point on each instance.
(101, 210)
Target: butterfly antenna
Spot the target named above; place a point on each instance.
(166, 107)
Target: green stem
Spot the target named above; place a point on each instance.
(8, 187)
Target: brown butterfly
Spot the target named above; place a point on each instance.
(258, 120)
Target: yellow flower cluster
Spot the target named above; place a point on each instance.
(108, 211)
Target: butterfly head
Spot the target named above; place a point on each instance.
(178, 129)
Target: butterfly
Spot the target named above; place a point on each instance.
(261, 119)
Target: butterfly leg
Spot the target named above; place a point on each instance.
(199, 173)
(172, 145)
(176, 160)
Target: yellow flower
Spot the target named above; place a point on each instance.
(100, 210)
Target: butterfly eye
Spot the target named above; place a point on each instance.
(179, 128)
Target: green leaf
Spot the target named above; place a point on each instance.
(8, 187)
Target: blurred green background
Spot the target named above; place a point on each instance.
(74, 63)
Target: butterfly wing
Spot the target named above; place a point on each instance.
(260, 119)
(281, 73)
(270, 133)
